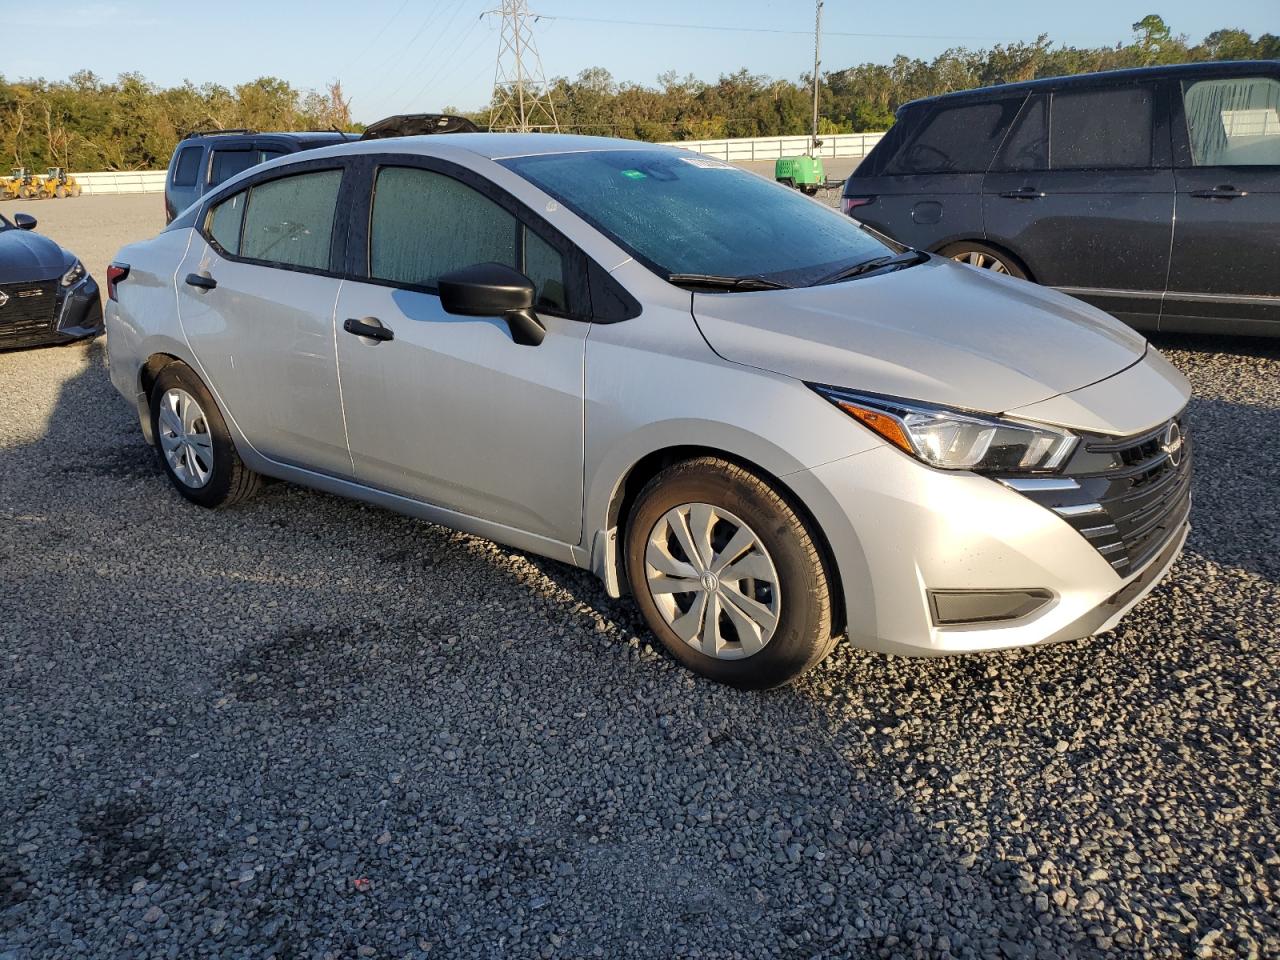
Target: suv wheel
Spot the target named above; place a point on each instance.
(728, 576)
(193, 442)
(985, 258)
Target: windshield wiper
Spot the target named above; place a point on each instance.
(908, 259)
(712, 282)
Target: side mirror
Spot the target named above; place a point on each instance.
(24, 221)
(494, 290)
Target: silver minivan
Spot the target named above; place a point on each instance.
(722, 397)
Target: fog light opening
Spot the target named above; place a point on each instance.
(951, 608)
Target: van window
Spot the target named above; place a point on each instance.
(187, 167)
(1101, 129)
(1027, 146)
(425, 224)
(227, 163)
(957, 139)
(290, 221)
(1233, 122)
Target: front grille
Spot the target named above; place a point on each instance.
(29, 314)
(1127, 496)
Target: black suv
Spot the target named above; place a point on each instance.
(1152, 193)
(205, 158)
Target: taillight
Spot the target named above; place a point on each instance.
(850, 204)
(115, 273)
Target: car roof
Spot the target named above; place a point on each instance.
(302, 137)
(1102, 78)
(491, 146)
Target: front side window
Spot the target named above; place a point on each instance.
(290, 221)
(685, 214)
(227, 163)
(425, 224)
(187, 169)
(1102, 129)
(958, 139)
(1233, 122)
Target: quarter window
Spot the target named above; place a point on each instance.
(225, 220)
(1233, 122)
(290, 221)
(185, 173)
(1101, 129)
(959, 139)
(425, 224)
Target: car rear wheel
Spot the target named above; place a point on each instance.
(194, 445)
(985, 258)
(728, 575)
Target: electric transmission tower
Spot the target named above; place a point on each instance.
(521, 97)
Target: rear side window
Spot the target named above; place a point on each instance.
(290, 221)
(425, 224)
(1233, 122)
(957, 139)
(225, 220)
(1027, 146)
(188, 166)
(1101, 129)
(227, 163)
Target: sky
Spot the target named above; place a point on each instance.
(400, 56)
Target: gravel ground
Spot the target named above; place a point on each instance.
(309, 728)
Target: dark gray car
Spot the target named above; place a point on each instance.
(46, 294)
(1153, 194)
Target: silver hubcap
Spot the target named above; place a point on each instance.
(983, 261)
(185, 438)
(713, 581)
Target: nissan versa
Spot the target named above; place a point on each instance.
(720, 396)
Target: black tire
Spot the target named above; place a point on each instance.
(1011, 265)
(803, 636)
(230, 481)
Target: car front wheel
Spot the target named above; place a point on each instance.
(728, 575)
(985, 258)
(195, 447)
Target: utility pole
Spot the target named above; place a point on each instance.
(817, 45)
(521, 97)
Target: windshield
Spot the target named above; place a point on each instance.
(680, 213)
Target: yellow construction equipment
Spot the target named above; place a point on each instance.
(21, 185)
(57, 183)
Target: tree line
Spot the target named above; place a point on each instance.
(87, 123)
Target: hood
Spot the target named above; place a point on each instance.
(940, 332)
(26, 256)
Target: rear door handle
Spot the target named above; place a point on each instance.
(370, 327)
(1225, 192)
(1023, 193)
(201, 280)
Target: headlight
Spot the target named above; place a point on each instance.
(74, 274)
(957, 439)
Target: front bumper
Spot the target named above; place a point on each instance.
(898, 530)
(76, 314)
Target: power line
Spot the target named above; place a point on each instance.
(426, 53)
(381, 30)
(447, 60)
(775, 30)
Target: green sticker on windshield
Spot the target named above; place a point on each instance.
(633, 174)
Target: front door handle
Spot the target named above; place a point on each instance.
(1224, 192)
(369, 327)
(1023, 193)
(201, 280)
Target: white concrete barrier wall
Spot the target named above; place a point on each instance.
(852, 145)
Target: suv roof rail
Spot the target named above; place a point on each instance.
(209, 133)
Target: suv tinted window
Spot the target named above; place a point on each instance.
(957, 139)
(290, 221)
(187, 167)
(425, 224)
(1027, 146)
(227, 163)
(1101, 129)
(1233, 122)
